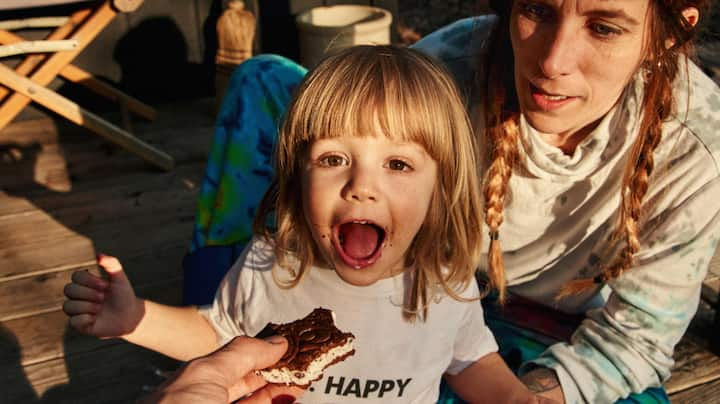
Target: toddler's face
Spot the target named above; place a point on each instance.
(364, 199)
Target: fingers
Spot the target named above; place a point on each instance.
(75, 291)
(88, 280)
(244, 354)
(75, 307)
(237, 361)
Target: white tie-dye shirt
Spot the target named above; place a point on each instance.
(561, 213)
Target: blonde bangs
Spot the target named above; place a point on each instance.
(407, 97)
(361, 94)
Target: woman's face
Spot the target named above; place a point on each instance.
(573, 58)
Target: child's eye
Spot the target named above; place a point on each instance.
(398, 165)
(535, 11)
(333, 160)
(604, 31)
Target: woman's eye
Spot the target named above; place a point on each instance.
(398, 165)
(604, 30)
(534, 11)
(332, 161)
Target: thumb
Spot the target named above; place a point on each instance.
(243, 354)
(113, 268)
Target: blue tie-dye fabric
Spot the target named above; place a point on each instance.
(239, 168)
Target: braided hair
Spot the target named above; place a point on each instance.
(500, 137)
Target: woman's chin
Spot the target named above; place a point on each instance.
(544, 123)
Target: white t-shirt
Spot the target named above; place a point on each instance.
(395, 360)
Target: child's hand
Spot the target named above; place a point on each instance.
(103, 308)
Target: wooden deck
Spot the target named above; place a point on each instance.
(66, 195)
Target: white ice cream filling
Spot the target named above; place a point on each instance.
(314, 369)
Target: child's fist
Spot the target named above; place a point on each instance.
(99, 307)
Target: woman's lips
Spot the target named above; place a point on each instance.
(548, 102)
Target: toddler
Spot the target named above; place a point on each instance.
(374, 213)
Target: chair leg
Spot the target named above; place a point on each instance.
(88, 30)
(79, 76)
(31, 61)
(74, 113)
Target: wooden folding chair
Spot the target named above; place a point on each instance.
(52, 57)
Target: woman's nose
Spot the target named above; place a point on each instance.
(560, 53)
(361, 186)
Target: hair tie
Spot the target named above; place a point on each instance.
(494, 235)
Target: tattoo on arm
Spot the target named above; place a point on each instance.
(541, 380)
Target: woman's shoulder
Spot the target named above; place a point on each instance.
(459, 46)
(459, 39)
(698, 109)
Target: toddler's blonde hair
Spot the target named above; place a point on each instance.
(410, 98)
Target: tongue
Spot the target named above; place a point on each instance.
(359, 240)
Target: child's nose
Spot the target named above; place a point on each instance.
(361, 186)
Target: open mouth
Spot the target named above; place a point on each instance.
(359, 242)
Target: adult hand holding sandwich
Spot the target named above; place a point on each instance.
(227, 375)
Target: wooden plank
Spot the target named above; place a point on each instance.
(28, 241)
(46, 336)
(147, 260)
(185, 134)
(708, 393)
(121, 208)
(34, 295)
(111, 214)
(160, 207)
(114, 374)
(42, 338)
(694, 365)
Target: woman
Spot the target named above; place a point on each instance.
(600, 181)
(603, 175)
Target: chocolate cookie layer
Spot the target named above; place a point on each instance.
(314, 343)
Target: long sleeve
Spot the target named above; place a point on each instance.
(627, 345)
(561, 210)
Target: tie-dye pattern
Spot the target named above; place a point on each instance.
(239, 166)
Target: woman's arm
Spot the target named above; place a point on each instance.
(544, 382)
(627, 346)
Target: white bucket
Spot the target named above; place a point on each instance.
(326, 29)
